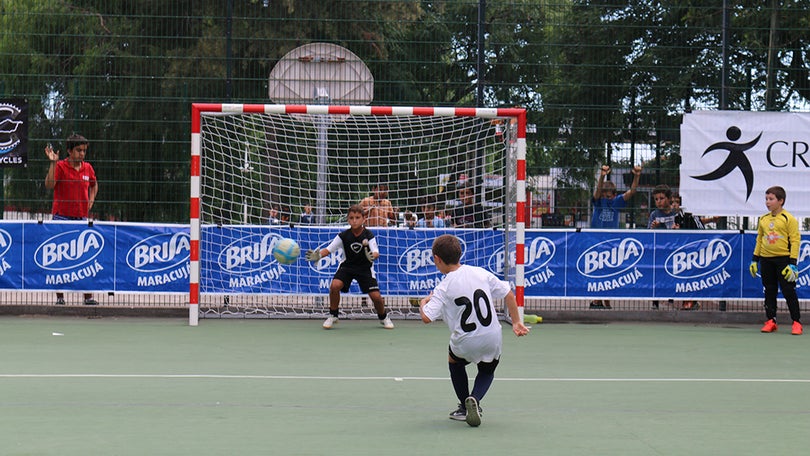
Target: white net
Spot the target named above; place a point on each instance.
(264, 177)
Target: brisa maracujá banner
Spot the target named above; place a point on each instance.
(559, 263)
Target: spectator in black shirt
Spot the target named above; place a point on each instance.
(469, 214)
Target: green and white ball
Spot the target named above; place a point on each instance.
(286, 251)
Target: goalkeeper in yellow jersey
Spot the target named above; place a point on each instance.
(775, 256)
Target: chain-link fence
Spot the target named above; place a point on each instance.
(604, 82)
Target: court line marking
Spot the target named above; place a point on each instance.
(404, 378)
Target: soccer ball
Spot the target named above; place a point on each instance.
(286, 251)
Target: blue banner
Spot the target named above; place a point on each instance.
(67, 256)
(640, 264)
(610, 264)
(11, 255)
(152, 257)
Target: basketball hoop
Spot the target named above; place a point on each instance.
(321, 72)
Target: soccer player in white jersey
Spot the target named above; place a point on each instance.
(465, 300)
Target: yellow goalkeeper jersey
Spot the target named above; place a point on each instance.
(778, 236)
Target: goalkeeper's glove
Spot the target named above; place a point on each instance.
(313, 255)
(367, 251)
(753, 268)
(790, 273)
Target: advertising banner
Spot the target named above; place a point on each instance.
(11, 255)
(65, 256)
(636, 264)
(611, 264)
(68, 256)
(13, 133)
(729, 159)
(152, 258)
(568, 264)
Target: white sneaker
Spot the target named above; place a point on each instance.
(387, 323)
(327, 324)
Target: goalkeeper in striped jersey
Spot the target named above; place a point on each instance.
(360, 251)
(776, 256)
(464, 299)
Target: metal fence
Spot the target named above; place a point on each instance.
(605, 82)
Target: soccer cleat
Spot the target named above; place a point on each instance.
(460, 414)
(60, 301)
(327, 324)
(387, 323)
(770, 326)
(473, 412)
(90, 302)
(797, 329)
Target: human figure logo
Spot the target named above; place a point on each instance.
(736, 159)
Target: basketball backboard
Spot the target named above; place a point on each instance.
(322, 73)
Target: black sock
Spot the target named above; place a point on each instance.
(382, 315)
(481, 384)
(458, 376)
(333, 313)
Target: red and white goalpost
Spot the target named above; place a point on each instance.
(249, 158)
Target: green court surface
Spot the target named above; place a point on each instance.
(120, 386)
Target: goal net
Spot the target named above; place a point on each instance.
(261, 173)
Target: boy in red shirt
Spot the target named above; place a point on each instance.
(74, 186)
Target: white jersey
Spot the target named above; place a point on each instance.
(464, 299)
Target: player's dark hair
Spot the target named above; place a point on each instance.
(778, 192)
(76, 140)
(357, 209)
(448, 248)
(663, 188)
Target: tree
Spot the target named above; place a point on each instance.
(124, 74)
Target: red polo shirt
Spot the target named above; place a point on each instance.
(70, 194)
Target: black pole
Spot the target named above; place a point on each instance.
(482, 8)
(724, 70)
(228, 34)
(722, 304)
(478, 174)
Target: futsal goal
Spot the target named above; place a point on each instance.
(261, 173)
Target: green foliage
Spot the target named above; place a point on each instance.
(590, 74)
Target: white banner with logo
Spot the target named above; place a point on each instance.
(729, 159)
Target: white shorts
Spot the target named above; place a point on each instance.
(484, 347)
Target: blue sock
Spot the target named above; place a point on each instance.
(484, 378)
(482, 383)
(458, 376)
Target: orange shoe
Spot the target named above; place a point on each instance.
(770, 326)
(797, 329)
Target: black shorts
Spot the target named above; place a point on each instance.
(364, 277)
